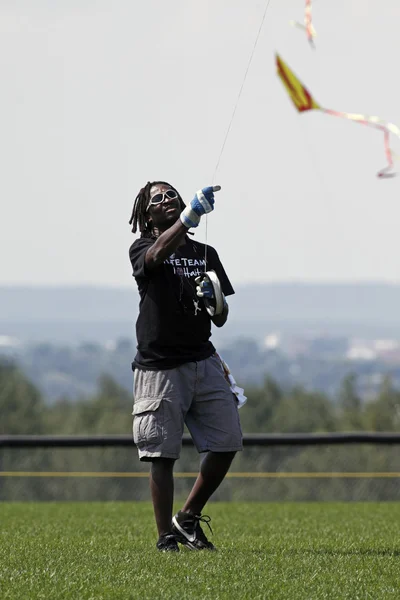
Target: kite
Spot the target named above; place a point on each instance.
(308, 25)
(303, 101)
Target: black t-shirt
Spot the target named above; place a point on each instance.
(173, 326)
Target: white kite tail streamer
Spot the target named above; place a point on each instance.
(241, 399)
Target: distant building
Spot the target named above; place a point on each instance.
(7, 341)
(272, 341)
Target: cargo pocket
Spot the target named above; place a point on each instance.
(148, 421)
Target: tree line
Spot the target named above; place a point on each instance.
(271, 408)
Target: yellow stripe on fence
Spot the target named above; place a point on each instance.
(233, 475)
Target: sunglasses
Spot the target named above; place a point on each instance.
(158, 198)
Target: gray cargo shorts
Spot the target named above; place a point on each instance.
(196, 394)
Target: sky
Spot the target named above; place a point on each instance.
(99, 96)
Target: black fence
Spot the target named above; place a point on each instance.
(249, 439)
(362, 466)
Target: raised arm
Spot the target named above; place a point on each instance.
(169, 240)
(165, 245)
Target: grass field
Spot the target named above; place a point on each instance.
(288, 551)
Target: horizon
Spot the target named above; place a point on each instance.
(277, 282)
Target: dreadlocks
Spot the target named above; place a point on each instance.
(139, 218)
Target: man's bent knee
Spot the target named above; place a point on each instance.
(223, 456)
(162, 464)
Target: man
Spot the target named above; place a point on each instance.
(178, 378)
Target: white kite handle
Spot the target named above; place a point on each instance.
(216, 188)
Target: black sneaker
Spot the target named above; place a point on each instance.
(188, 531)
(167, 543)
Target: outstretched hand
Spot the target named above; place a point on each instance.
(202, 203)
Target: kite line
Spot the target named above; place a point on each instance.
(234, 113)
(241, 90)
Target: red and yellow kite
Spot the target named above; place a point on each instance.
(303, 101)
